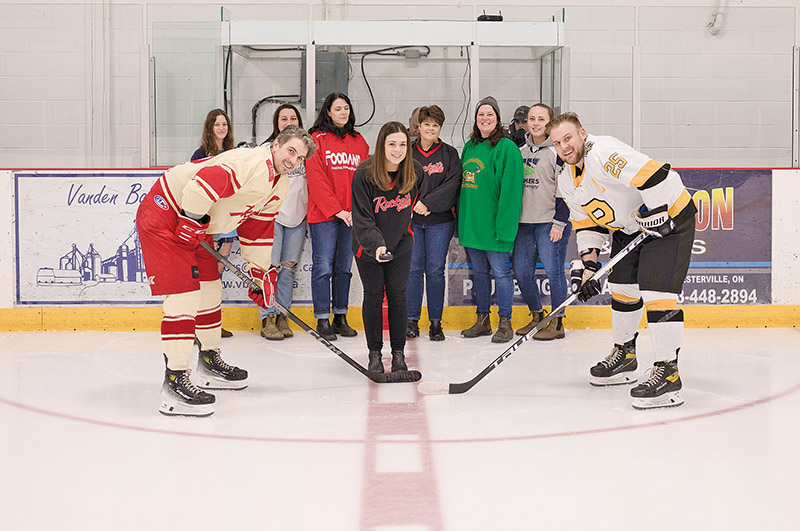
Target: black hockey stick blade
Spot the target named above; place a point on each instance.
(392, 377)
(439, 388)
(396, 377)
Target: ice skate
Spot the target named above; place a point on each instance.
(661, 389)
(179, 396)
(618, 368)
(214, 373)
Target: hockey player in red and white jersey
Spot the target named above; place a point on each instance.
(611, 187)
(238, 189)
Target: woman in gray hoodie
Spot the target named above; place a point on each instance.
(543, 225)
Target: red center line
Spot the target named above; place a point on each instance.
(399, 498)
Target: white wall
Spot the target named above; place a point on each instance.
(74, 82)
(75, 87)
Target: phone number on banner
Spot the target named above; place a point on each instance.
(722, 296)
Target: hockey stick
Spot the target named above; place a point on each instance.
(439, 388)
(392, 377)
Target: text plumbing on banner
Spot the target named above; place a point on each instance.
(731, 255)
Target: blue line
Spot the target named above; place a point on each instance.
(90, 174)
(730, 264)
(467, 265)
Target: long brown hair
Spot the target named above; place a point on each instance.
(209, 143)
(325, 122)
(375, 165)
(495, 136)
(275, 130)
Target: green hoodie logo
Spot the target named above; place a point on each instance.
(471, 168)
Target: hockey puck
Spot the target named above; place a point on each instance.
(385, 257)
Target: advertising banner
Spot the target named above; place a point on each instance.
(76, 241)
(731, 256)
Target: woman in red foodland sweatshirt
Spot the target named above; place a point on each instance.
(330, 175)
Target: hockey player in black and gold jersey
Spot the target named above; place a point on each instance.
(612, 188)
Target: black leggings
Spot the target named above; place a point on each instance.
(392, 278)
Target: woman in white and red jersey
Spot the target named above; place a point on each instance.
(330, 175)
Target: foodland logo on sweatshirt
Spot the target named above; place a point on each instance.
(401, 202)
(342, 159)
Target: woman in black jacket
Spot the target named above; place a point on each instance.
(433, 222)
(385, 188)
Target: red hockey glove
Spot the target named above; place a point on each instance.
(265, 297)
(190, 232)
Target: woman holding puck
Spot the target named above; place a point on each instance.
(385, 188)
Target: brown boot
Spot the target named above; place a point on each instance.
(283, 325)
(504, 331)
(225, 333)
(553, 330)
(269, 330)
(482, 327)
(535, 319)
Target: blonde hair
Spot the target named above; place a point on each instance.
(567, 117)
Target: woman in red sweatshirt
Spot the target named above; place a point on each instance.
(330, 175)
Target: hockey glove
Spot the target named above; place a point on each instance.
(264, 297)
(581, 275)
(656, 222)
(190, 232)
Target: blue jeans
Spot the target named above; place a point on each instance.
(428, 256)
(332, 258)
(287, 247)
(533, 240)
(482, 262)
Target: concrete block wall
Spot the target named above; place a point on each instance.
(74, 77)
(720, 100)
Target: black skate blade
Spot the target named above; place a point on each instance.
(397, 377)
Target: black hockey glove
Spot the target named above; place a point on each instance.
(582, 279)
(656, 222)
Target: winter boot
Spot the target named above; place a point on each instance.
(283, 325)
(269, 330)
(341, 327)
(618, 368)
(179, 396)
(436, 333)
(482, 327)
(214, 373)
(412, 328)
(504, 331)
(661, 389)
(553, 330)
(375, 362)
(535, 319)
(324, 329)
(398, 361)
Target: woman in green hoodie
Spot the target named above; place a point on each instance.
(488, 215)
